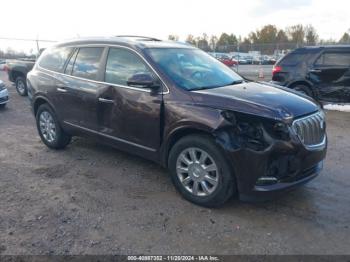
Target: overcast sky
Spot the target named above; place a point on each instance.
(62, 19)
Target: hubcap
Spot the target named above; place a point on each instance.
(20, 86)
(47, 126)
(197, 171)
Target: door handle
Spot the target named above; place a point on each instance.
(315, 71)
(61, 89)
(104, 100)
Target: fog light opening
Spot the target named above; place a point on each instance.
(265, 181)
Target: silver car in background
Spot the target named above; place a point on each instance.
(4, 95)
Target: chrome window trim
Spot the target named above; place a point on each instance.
(315, 146)
(111, 137)
(107, 83)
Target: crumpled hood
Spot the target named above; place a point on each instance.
(257, 99)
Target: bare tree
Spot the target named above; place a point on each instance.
(311, 35)
(296, 34)
(345, 39)
(213, 42)
(191, 40)
(173, 37)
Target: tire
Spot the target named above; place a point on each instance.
(217, 193)
(21, 86)
(2, 106)
(303, 89)
(46, 120)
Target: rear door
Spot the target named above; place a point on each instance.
(130, 115)
(331, 75)
(78, 87)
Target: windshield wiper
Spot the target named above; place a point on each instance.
(236, 82)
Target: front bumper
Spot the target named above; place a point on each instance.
(268, 192)
(4, 96)
(288, 162)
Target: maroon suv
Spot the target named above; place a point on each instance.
(218, 134)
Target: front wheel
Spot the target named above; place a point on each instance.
(200, 171)
(21, 86)
(49, 128)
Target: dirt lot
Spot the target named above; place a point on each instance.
(91, 199)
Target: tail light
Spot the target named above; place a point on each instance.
(276, 69)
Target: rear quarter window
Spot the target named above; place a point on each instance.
(55, 59)
(333, 59)
(292, 59)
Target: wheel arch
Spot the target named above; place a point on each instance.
(176, 135)
(15, 74)
(304, 83)
(40, 100)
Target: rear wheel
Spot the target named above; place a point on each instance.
(49, 128)
(21, 86)
(2, 106)
(200, 171)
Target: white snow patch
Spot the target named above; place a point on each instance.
(338, 107)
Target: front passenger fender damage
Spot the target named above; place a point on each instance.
(258, 146)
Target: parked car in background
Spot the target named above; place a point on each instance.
(218, 134)
(2, 65)
(322, 72)
(17, 73)
(242, 61)
(4, 95)
(17, 70)
(225, 59)
(267, 60)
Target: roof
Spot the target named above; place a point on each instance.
(318, 47)
(329, 46)
(131, 41)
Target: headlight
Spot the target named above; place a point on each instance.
(252, 135)
(2, 86)
(281, 131)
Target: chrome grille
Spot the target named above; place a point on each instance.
(311, 130)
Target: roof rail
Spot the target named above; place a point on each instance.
(138, 36)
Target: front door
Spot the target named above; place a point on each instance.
(331, 76)
(131, 115)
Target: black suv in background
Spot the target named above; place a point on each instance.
(320, 72)
(218, 134)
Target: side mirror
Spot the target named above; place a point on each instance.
(143, 80)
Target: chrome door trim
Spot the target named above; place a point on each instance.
(104, 100)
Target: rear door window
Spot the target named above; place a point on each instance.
(55, 59)
(70, 64)
(333, 59)
(292, 59)
(87, 62)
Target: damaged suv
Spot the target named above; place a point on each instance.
(218, 134)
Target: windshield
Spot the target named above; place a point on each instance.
(193, 69)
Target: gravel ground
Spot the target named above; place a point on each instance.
(92, 199)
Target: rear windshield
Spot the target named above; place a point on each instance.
(292, 59)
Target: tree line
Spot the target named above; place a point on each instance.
(266, 39)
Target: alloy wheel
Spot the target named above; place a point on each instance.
(21, 86)
(47, 126)
(197, 171)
